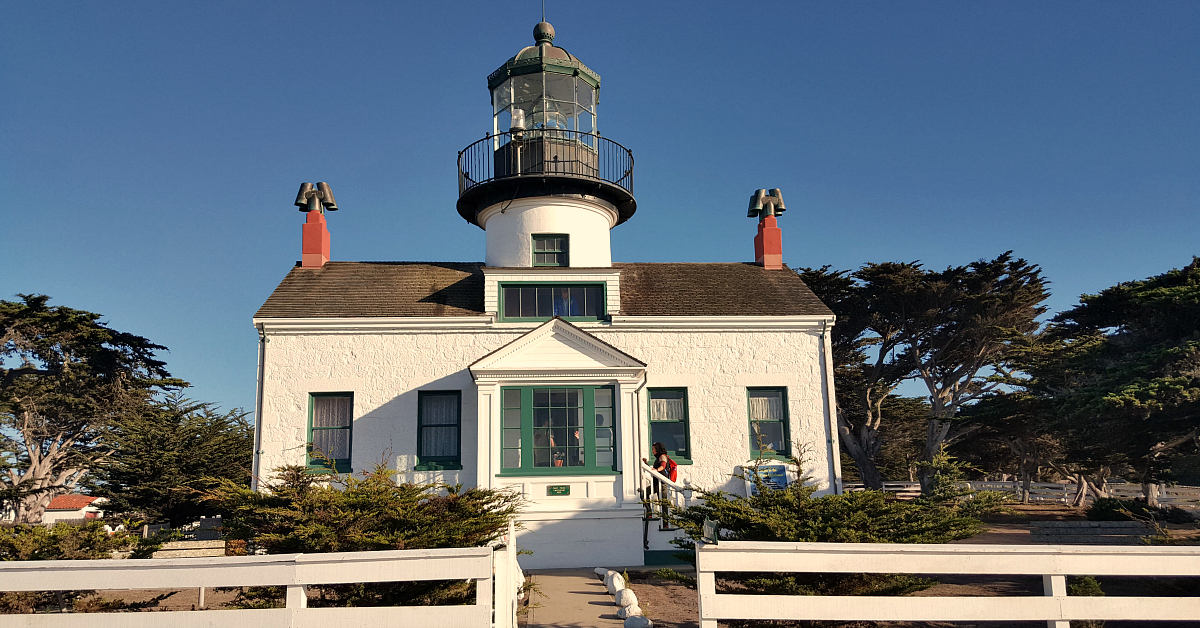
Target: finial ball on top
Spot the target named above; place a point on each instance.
(543, 32)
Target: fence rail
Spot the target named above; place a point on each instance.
(1052, 563)
(488, 567)
(1056, 492)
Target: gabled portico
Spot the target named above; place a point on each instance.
(558, 422)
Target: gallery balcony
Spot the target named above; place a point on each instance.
(544, 162)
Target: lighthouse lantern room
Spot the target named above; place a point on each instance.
(543, 184)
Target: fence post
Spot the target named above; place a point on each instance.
(706, 584)
(1056, 586)
(297, 597)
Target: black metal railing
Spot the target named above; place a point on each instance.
(545, 152)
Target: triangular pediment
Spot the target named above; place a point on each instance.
(557, 345)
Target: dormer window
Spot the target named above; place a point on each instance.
(549, 250)
(540, 301)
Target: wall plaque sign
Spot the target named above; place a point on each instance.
(558, 490)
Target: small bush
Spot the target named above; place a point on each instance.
(1085, 586)
(1113, 509)
(667, 573)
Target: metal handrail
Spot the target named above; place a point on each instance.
(542, 152)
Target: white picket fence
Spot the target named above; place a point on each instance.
(494, 571)
(1056, 492)
(1053, 563)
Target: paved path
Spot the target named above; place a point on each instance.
(571, 598)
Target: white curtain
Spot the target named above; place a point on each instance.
(439, 425)
(667, 410)
(766, 408)
(331, 411)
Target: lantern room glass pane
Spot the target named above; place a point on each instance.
(585, 95)
(527, 90)
(502, 96)
(560, 87)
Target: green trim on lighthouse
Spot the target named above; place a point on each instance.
(543, 56)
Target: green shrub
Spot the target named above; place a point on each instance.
(1113, 509)
(793, 514)
(60, 542)
(303, 512)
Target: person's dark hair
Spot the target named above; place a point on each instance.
(659, 449)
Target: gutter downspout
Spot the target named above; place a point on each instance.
(831, 425)
(258, 409)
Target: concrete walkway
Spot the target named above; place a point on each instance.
(571, 598)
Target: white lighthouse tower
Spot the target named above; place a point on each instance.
(544, 185)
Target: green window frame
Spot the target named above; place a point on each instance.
(550, 249)
(522, 301)
(669, 423)
(330, 429)
(558, 430)
(767, 412)
(439, 430)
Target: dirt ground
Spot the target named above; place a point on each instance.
(673, 605)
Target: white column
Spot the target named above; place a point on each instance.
(628, 443)
(487, 435)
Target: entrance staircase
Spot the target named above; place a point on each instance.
(657, 534)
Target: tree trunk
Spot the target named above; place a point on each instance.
(935, 435)
(1150, 492)
(30, 508)
(1081, 490)
(862, 447)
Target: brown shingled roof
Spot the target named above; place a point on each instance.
(351, 289)
(364, 289)
(714, 289)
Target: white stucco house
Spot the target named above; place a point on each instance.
(548, 368)
(73, 507)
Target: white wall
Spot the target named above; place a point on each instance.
(385, 371)
(510, 226)
(716, 368)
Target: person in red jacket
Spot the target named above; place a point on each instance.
(668, 469)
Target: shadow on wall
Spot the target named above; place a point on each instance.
(390, 431)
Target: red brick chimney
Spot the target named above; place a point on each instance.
(768, 244)
(315, 235)
(315, 250)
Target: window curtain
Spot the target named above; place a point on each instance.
(331, 411)
(667, 410)
(439, 426)
(766, 408)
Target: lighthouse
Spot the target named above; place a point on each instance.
(548, 369)
(543, 184)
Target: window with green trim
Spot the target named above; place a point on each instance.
(557, 430)
(768, 422)
(330, 421)
(539, 302)
(669, 422)
(439, 430)
(549, 250)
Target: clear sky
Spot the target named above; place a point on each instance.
(150, 151)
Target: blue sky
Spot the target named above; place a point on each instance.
(150, 152)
